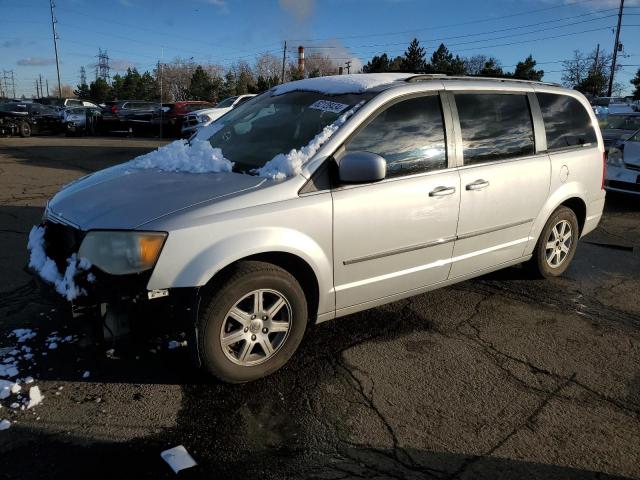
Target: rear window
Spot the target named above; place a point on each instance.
(494, 126)
(566, 121)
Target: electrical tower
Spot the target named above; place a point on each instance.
(83, 76)
(102, 67)
(7, 79)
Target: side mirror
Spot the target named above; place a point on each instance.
(362, 167)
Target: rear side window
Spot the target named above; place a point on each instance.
(566, 121)
(494, 126)
(409, 135)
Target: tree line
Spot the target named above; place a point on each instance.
(185, 80)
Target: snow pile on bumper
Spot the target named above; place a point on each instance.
(65, 284)
(181, 156)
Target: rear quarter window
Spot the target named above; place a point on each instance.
(566, 121)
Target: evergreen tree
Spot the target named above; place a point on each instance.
(82, 92)
(116, 87)
(414, 59)
(492, 68)
(201, 87)
(635, 81)
(229, 85)
(147, 88)
(100, 91)
(525, 70)
(441, 60)
(377, 64)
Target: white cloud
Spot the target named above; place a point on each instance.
(35, 61)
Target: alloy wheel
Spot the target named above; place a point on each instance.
(256, 327)
(559, 244)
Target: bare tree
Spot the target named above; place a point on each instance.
(319, 65)
(268, 66)
(66, 91)
(575, 70)
(475, 64)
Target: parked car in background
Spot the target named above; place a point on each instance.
(201, 118)
(611, 105)
(329, 196)
(81, 120)
(65, 102)
(128, 116)
(623, 165)
(171, 115)
(25, 119)
(619, 127)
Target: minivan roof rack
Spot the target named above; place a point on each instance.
(441, 76)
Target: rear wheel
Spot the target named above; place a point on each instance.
(556, 245)
(25, 129)
(253, 323)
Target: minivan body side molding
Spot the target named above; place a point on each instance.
(441, 241)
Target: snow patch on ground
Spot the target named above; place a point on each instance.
(176, 344)
(341, 84)
(47, 269)
(288, 165)
(5, 424)
(181, 156)
(23, 334)
(35, 397)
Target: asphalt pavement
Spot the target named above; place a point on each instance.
(498, 377)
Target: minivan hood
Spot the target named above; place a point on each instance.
(123, 197)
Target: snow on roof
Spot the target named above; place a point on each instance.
(341, 84)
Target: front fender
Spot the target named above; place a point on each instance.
(202, 266)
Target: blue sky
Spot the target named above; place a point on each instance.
(139, 32)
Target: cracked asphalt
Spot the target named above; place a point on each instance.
(497, 377)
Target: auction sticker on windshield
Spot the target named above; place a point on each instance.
(327, 106)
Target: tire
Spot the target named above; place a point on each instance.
(24, 130)
(233, 344)
(550, 262)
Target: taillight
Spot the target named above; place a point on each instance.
(604, 167)
(114, 109)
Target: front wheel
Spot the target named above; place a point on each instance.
(556, 245)
(252, 324)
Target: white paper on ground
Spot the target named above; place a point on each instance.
(178, 458)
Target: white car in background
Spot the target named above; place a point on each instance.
(623, 166)
(201, 118)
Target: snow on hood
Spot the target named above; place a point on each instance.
(341, 84)
(48, 270)
(181, 156)
(288, 165)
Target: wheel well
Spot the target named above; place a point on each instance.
(579, 208)
(293, 264)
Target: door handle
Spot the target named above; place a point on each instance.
(478, 185)
(442, 191)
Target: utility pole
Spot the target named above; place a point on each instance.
(348, 64)
(595, 70)
(47, 82)
(37, 91)
(55, 45)
(284, 59)
(13, 85)
(41, 90)
(615, 49)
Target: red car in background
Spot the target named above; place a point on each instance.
(171, 115)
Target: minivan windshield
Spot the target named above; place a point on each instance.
(258, 130)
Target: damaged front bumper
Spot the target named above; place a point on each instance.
(121, 296)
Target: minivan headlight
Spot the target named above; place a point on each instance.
(122, 252)
(615, 157)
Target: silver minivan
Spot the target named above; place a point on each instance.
(324, 197)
